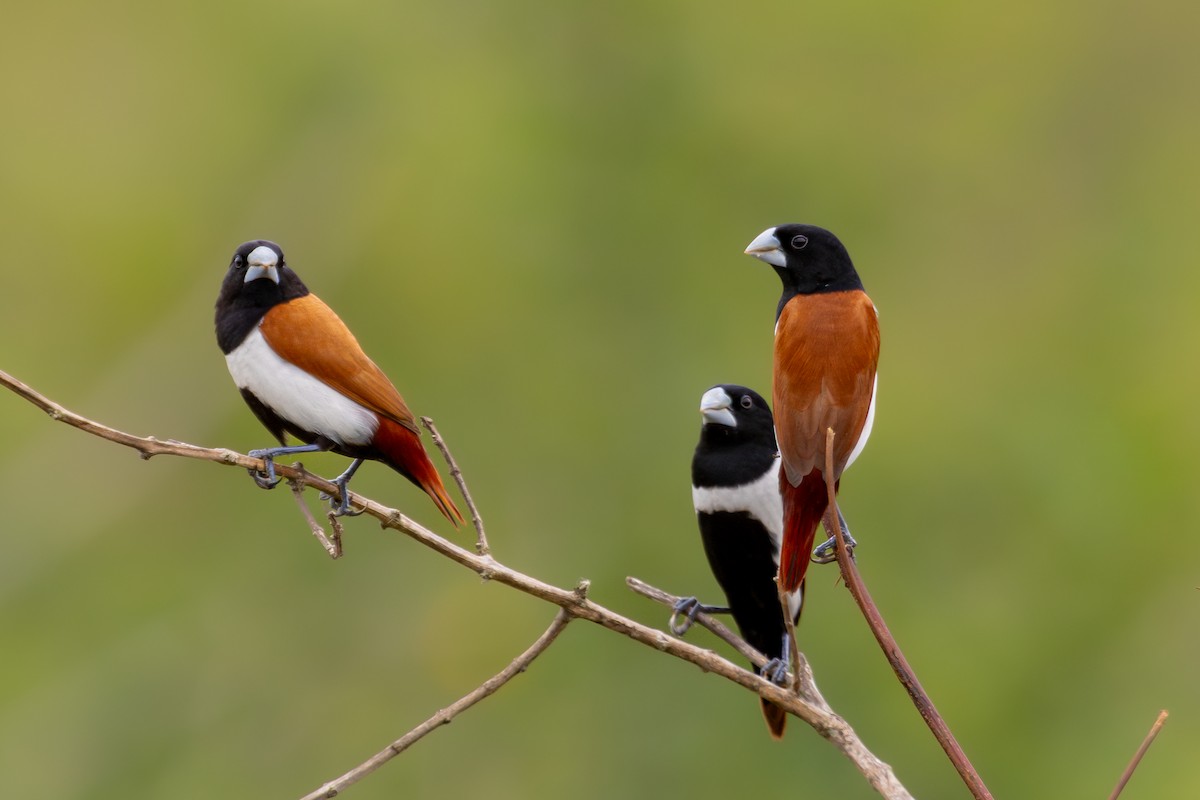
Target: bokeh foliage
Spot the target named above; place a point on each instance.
(532, 215)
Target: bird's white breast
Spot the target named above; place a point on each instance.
(759, 498)
(297, 396)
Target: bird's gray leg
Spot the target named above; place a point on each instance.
(342, 507)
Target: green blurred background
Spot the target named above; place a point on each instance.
(532, 214)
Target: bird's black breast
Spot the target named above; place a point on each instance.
(234, 325)
(723, 459)
(241, 306)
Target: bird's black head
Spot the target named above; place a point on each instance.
(737, 439)
(808, 259)
(735, 413)
(259, 270)
(257, 280)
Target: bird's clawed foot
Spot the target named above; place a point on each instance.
(776, 671)
(266, 478)
(688, 608)
(341, 508)
(826, 552)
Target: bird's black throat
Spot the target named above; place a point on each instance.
(241, 306)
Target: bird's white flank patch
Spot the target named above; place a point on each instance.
(866, 431)
(297, 396)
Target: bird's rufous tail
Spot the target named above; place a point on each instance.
(803, 507)
(776, 718)
(402, 451)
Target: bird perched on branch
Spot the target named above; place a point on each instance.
(735, 490)
(826, 353)
(303, 373)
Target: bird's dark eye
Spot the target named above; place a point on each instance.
(799, 242)
(237, 260)
(747, 401)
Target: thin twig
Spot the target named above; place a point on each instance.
(443, 717)
(887, 642)
(1137, 757)
(481, 542)
(573, 601)
(335, 525)
(332, 546)
(703, 619)
(800, 677)
(789, 626)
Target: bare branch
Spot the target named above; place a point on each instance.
(714, 625)
(806, 686)
(574, 602)
(481, 542)
(443, 717)
(789, 626)
(332, 546)
(1137, 757)
(148, 446)
(887, 642)
(806, 696)
(335, 525)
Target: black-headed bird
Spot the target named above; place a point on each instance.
(735, 491)
(303, 373)
(826, 353)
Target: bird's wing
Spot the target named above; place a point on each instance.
(826, 352)
(305, 332)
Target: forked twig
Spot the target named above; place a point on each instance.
(808, 706)
(1137, 757)
(702, 618)
(887, 642)
(800, 676)
(443, 717)
(573, 602)
(335, 525)
(481, 542)
(332, 546)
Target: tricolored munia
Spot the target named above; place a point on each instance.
(302, 373)
(826, 353)
(735, 491)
